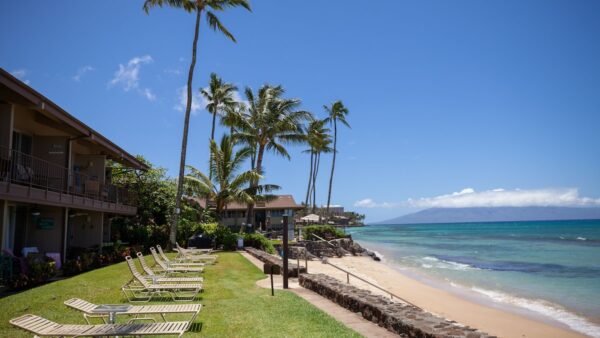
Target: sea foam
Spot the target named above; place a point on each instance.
(545, 308)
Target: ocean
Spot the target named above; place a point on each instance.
(546, 269)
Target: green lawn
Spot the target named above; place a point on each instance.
(233, 305)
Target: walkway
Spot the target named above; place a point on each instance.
(348, 318)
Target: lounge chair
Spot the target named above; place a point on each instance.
(159, 279)
(42, 327)
(165, 265)
(196, 251)
(168, 270)
(188, 256)
(174, 263)
(138, 312)
(140, 290)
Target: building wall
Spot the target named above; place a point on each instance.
(6, 118)
(85, 229)
(3, 221)
(51, 148)
(48, 239)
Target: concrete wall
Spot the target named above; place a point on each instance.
(46, 240)
(85, 229)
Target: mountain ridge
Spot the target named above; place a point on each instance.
(495, 214)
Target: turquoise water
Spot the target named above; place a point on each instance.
(549, 268)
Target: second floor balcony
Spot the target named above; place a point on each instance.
(27, 178)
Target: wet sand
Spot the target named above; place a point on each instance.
(493, 320)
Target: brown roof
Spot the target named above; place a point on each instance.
(43, 104)
(281, 202)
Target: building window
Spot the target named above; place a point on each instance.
(277, 212)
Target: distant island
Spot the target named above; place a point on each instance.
(495, 214)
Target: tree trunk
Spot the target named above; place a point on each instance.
(333, 162)
(259, 159)
(309, 179)
(314, 187)
(214, 119)
(186, 124)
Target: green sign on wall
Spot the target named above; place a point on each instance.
(46, 223)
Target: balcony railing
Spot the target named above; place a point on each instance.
(23, 169)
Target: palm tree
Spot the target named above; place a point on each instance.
(228, 184)
(319, 140)
(208, 8)
(219, 98)
(233, 117)
(271, 122)
(337, 112)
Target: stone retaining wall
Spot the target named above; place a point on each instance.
(402, 319)
(275, 260)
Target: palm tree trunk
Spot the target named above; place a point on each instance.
(309, 178)
(333, 162)
(186, 124)
(259, 159)
(314, 188)
(214, 119)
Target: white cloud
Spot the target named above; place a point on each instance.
(81, 72)
(20, 74)
(506, 198)
(468, 197)
(148, 94)
(129, 76)
(370, 203)
(198, 101)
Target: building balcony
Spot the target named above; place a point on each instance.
(26, 178)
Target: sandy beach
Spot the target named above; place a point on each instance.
(499, 322)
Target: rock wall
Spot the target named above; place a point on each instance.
(402, 319)
(275, 260)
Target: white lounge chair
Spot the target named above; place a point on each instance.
(42, 327)
(170, 262)
(165, 265)
(141, 290)
(170, 270)
(189, 256)
(138, 312)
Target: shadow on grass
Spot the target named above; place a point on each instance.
(195, 327)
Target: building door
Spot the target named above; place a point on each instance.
(8, 235)
(19, 225)
(260, 218)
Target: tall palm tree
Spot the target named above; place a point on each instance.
(229, 184)
(200, 7)
(319, 141)
(337, 112)
(271, 122)
(219, 98)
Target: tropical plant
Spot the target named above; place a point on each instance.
(233, 117)
(228, 184)
(319, 141)
(200, 7)
(323, 231)
(337, 112)
(219, 98)
(271, 122)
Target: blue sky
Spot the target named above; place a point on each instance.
(463, 97)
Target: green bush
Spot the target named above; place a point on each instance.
(219, 234)
(259, 241)
(323, 231)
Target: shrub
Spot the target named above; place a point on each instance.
(259, 241)
(323, 231)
